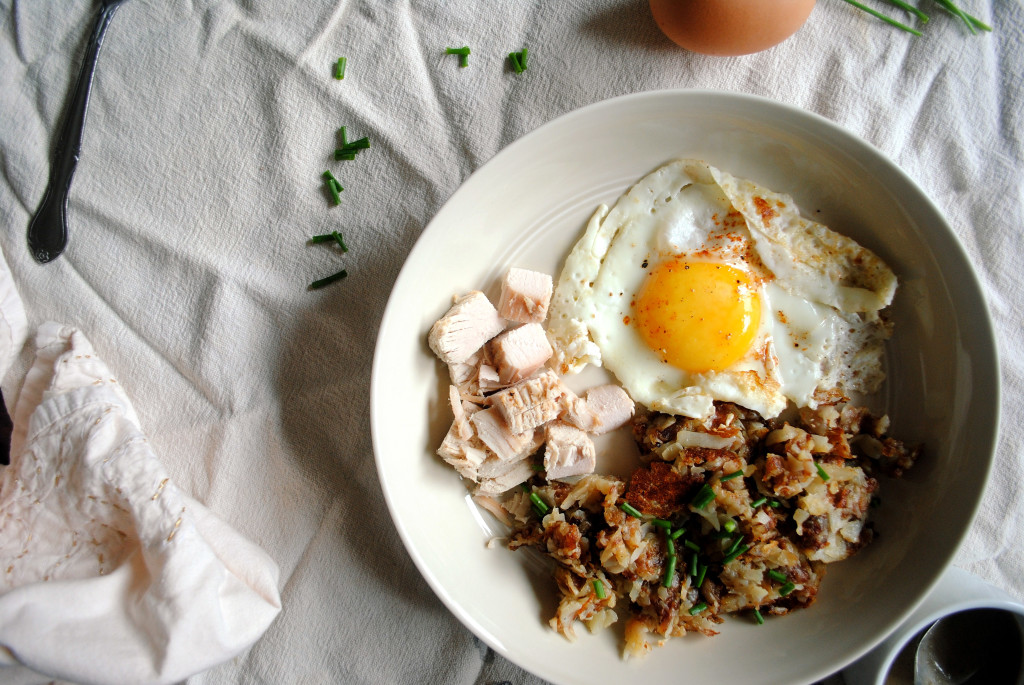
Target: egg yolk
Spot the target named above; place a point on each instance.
(698, 316)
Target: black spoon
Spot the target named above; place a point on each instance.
(48, 230)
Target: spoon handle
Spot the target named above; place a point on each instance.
(48, 230)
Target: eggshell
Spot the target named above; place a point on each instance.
(730, 27)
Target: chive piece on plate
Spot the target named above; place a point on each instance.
(694, 565)
(670, 571)
(677, 533)
(758, 502)
(523, 55)
(735, 553)
(821, 472)
(689, 544)
(328, 280)
(339, 68)
(758, 617)
(341, 155)
(541, 506)
(735, 474)
(513, 58)
(700, 578)
(343, 135)
(629, 509)
(786, 589)
(730, 525)
(777, 575)
(661, 523)
(599, 589)
(670, 547)
(698, 608)
(325, 238)
(329, 176)
(704, 497)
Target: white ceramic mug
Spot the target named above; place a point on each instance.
(957, 591)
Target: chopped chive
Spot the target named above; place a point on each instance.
(736, 542)
(329, 176)
(599, 589)
(694, 565)
(335, 189)
(339, 68)
(775, 504)
(786, 589)
(328, 280)
(670, 547)
(735, 553)
(704, 497)
(887, 20)
(758, 502)
(540, 505)
(458, 51)
(463, 61)
(698, 608)
(523, 486)
(343, 135)
(700, 577)
(677, 533)
(325, 238)
(670, 571)
(629, 509)
(735, 474)
(513, 58)
(910, 8)
(341, 155)
(723, 535)
(729, 525)
(661, 523)
(777, 575)
(689, 544)
(361, 144)
(959, 13)
(821, 472)
(341, 241)
(758, 617)
(523, 55)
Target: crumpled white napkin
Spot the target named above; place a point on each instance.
(108, 572)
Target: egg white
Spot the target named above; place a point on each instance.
(813, 335)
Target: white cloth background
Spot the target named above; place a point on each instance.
(199, 184)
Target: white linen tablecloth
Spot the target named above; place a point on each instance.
(199, 186)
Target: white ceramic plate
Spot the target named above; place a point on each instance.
(526, 207)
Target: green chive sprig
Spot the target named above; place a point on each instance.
(758, 617)
(729, 558)
(339, 68)
(730, 525)
(758, 502)
(887, 19)
(777, 575)
(599, 589)
(730, 476)
(698, 608)
(786, 589)
(539, 505)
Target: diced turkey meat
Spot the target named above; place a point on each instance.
(525, 296)
(471, 322)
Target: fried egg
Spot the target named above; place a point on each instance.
(699, 286)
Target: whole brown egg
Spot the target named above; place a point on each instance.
(730, 27)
